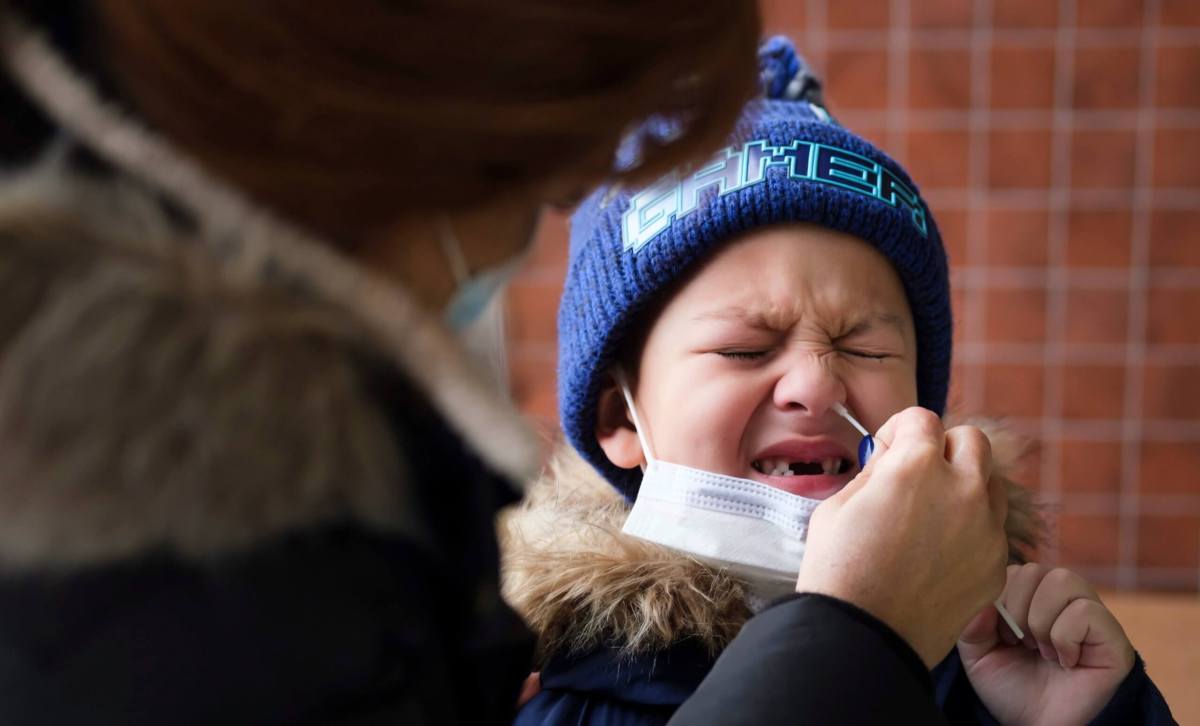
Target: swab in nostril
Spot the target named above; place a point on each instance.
(866, 447)
(844, 413)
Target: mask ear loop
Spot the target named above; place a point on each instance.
(619, 374)
(452, 249)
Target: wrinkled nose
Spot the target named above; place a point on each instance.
(808, 384)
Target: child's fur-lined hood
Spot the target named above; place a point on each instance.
(580, 582)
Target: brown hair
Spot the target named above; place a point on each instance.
(347, 116)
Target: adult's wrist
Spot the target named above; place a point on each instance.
(929, 647)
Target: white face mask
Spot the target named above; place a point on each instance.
(755, 531)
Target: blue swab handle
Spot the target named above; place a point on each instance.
(866, 447)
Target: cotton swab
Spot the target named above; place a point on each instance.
(1008, 619)
(865, 448)
(845, 413)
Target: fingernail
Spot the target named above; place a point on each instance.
(1047, 652)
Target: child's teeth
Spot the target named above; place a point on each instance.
(783, 467)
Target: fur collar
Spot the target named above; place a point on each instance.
(194, 386)
(579, 582)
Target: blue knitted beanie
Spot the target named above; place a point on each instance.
(788, 162)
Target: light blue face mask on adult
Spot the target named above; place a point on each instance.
(474, 291)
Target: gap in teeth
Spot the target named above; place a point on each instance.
(785, 467)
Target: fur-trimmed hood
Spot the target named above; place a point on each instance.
(580, 582)
(181, 370)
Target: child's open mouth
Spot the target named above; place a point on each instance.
(816, 469)
(785, 467)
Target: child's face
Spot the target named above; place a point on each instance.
(740, 369)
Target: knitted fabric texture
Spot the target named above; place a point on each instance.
(788, 162)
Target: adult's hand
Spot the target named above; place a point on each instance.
(917, 538)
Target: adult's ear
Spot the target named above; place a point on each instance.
(615, 431)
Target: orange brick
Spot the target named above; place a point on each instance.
(1019, 158)
(1096, 316)
(941, 15)
(1017, 237)
(1171, 392)
(1016, 315)
(1173, 316)
(1025, 14)
(857, 79)
(1172, 238)
(1022, 77)
(1178, 67)
(939, 78)
(1106, 77)
(1102, 158)
(1099, 237)
(1168, 541)
(1088, 540)
(858, 15)
(1177, 157)
(1091, 467)
(938, 158)
(1093, 391)
(1169, 467)
(1013, 390)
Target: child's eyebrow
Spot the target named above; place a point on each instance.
(745, 316)
(887, 320)
(762, 320)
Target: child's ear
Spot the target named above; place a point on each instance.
(615, 431)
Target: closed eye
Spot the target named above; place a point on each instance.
(864, 354)
(742, 354)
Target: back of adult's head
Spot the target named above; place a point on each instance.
(343, 120)
(247, 479)
(344, 116)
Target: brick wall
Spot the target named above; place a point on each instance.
(1058, 143)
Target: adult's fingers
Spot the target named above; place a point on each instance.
(969, 451)
(911, 425)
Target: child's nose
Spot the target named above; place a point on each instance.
(808, 384)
